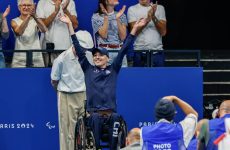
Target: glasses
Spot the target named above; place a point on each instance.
(25, 5)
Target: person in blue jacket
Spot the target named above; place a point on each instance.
(213, 128)
(101, 80)
(165, 134)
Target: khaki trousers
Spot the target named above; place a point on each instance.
(70, 107)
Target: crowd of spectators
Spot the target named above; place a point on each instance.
(38, 27)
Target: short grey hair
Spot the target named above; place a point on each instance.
(20, 1)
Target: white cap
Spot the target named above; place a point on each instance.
(85, 39)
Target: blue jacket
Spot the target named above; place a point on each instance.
(101, 83)
(163, 136)
(216, 128)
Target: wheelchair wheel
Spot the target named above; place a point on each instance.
(122, 135)
(90, 141)
(80, 135)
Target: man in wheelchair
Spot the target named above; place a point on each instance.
(101, 79)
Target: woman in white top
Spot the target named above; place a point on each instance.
(26, 28)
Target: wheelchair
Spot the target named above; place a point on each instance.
(84, 137)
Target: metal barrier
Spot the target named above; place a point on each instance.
(149, 54)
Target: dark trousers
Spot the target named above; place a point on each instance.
(96, 122)
(140, 59)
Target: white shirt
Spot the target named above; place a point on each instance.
(188, 126)
(67, 70)
(29, 40)
(149, 38)
(58, 32)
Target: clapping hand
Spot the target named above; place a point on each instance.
(103, 9)
(151, 12)
(32, 10)
(57, 5)
(65, 4)
(121, 12)
(65, 19)
(6, 12)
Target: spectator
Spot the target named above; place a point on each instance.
(4, 33)
(133, 140)
(150, 38)
(68, 78)
(101, 83)
(26, 28)
(194, 142)
(57, 35)
(212, 129)
(109, 27)
(168, 135)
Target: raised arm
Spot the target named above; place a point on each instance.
(39, 22)
(186, 108)
(160, 24)
(19, 29)
(5, 28)
(103, 31)
(48, 21)
(138, 25)
(121, 27)
(80, 52)
(73, 18)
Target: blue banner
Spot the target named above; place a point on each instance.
(28, 103)
(140, 88)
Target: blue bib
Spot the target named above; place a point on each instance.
(163, 136)
(216, 128)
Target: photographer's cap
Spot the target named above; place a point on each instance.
(165, 109)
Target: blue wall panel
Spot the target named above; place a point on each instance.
(140, 88)
(28, 110)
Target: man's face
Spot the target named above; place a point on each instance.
(224, 108)
(100, 60)
(25, 6)
(144, 2)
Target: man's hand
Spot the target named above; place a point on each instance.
(121, 12)
(54, 84)
(65, 19)
(65, 5)
(151, 12)
(57, 5)
(6, 12)
(103, 9)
